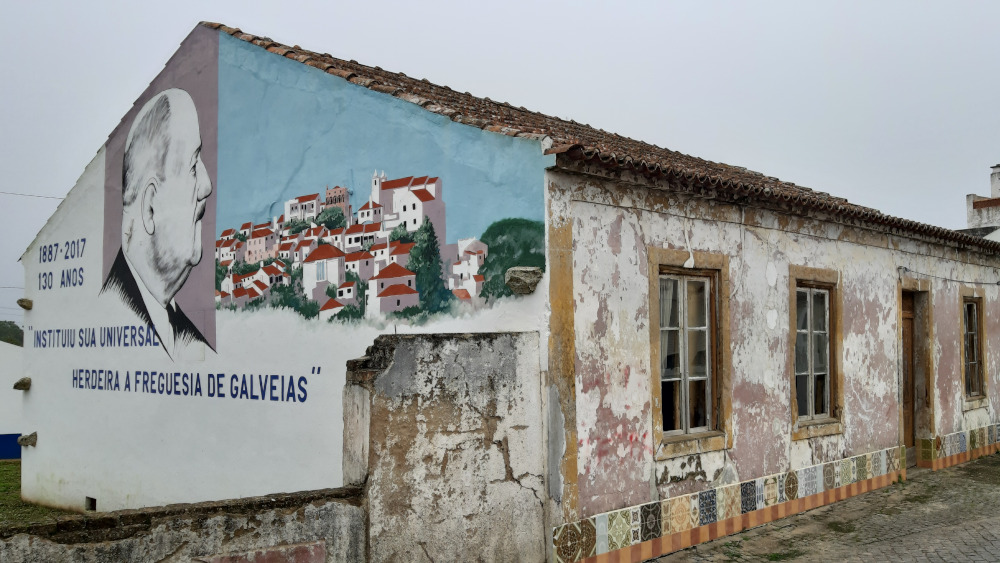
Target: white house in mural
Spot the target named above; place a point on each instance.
(361, 247)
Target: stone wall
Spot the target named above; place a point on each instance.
(322, 526)
(446, 435)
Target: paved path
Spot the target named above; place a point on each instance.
(948, 515)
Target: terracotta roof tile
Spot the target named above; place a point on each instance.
(325, 252)
(398, 289)
(579, 142)
(393, 270)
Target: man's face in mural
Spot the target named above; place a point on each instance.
(180, 199)
(165, 192)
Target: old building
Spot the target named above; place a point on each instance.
(702, 348)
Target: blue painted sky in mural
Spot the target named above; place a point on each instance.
(286, 129)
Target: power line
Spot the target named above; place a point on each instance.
(32, 195)
(10, 287)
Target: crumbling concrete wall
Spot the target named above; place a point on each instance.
(617, 217)
(327, 525)
(454, 462)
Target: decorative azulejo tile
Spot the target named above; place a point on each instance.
(707, 507)
(962, 443)
(830, 473)
(809, 481)
(770, 490)
(574, 541)
(878, 467)
(650, 521)
(694, 510)
(973, 440)
(861, 468)
(636, 520)
(601, 523)
(680, 514)
(760, 492)
(748, 496)
(846, 472)
(781, 488)
(791, 486)
(619, 529)
(728, 502)
(991, 435)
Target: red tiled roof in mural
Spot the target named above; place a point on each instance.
(423, 195)
(360, 255)
(305, 198)
(346, 285)
(369, 205)
(398, 183)
(325, 252)
(393, 270)
(581, 142)
(228, 233)
(398, 289)
(331, 304)
(462, 294)
(401, 249)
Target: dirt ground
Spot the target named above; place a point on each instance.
(948, 515)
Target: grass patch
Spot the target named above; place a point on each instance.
(13, 510)
(785, 555)
(732, 549)
(841, 527)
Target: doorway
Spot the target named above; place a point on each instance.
(909, 361)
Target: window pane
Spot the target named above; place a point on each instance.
(821, 392)
(698, 405)
(670, 353)
(802, 352)
(672, 411)
(668, 302)
(801, 310)
(970, 317)
(696, 303)
(819, 311)
(697, 353)
(820, 352)
(802, 394)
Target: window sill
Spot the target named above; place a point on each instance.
(973, 403)
(817, 428)
(691, 444)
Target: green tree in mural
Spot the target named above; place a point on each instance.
(240, 237)
(309, 309)
(220, 274)
(296, 226)
(11, 333)
(348, 313)
(401, 234)
(511, 242)
(332, 218)
(425, 262)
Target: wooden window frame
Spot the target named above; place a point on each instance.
(828, 280)
(977, 296)
(719, 436)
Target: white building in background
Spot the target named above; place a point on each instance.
(323, 267)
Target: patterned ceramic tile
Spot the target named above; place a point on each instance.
(650, 521)
(939, 447)
(748, 496)
(680, 514)
(846, 470)
(588, 538)
(973, 440)
(601, 523)
(809, 481)
(830, 472)
(728, 501)
(878, 466)
(636, 518)
(619, 529)
(791, 483)
(694, 510)
(707, 507)
(864, 467)
(665, 517)
(962, 443)
(781, 488)
(770, 490)
(573, 543)
(982, 437)
(760, 493)
(991, 435)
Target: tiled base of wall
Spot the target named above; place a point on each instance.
(657, 528)
(959, 447)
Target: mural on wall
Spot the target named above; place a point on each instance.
(359, 215)
(165, 188)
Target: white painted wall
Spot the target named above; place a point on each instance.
(130, 449)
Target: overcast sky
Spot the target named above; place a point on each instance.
(889, 104)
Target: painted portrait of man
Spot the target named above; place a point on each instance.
(164, 192)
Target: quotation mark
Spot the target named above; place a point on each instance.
(315, 370)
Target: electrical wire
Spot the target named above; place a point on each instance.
(32, 195)
(904, 270)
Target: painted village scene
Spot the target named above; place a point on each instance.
(389, 259)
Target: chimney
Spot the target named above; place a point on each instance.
(995, 181)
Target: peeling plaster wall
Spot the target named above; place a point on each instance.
(614, 222)
(456, 457)
(329, 525)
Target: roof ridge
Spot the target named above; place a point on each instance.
(583, 142)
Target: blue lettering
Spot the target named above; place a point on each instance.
(271, 388)
(232, 386)
(302, 389)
